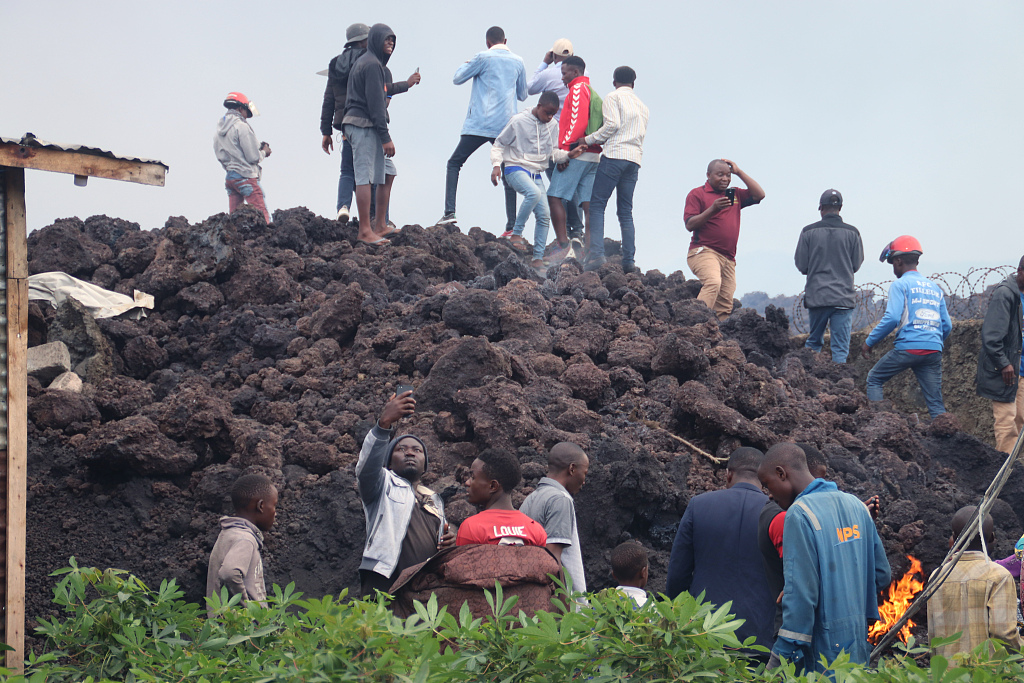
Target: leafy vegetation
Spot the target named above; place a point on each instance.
(116, 628)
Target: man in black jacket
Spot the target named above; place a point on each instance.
(333, 110)
(999, 361)
(829, 253)
(365, 125)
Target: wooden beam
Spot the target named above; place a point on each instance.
(81, 163)
(17, 414)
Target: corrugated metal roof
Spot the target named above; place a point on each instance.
(30, 140)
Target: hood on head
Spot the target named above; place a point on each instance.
(375, 43)
(394, 441)
(228, 121)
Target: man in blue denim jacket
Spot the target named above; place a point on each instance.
(917, 311)
(833, 561)
(499, 80)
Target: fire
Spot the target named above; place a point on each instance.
(901, 594)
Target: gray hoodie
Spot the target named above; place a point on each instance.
(235, 561)
(236, 146)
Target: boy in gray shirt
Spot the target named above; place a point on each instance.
(551, 504)
(235, 562)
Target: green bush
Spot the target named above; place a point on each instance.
(116, 628)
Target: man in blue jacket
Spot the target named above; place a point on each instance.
(917, 311)
(499, 80)
(405, 522)
(833, 562)
(716, 552)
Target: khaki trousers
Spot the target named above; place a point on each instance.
(717, 275)
(1009, 419)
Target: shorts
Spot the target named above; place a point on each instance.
(367, 154)
(389, 166)
(576, 182)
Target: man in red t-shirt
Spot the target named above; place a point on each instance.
(712, 214)
(492, 477)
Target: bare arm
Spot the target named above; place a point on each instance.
(701, 218)
(556, 550)
(756, 192)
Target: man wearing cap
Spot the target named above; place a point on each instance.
(499, 80)
(333, 111)
(712, 215)
(548, 77)
(916, 309)
(405, 522)
(829, 252)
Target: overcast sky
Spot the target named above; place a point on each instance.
(911, 109)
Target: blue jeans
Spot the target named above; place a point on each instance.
(535, 200)
(347, 181)
(927, 369)
(467, 145)
(619, 175)
(840, 320)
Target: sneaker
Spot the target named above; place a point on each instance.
(505, 235)
(446, 219)
(628, 267)
(594, 263)
(576, 232)
(392, 227)
(343, 214)
(558, 254)
(575, 249)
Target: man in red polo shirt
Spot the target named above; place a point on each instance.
(712, 214)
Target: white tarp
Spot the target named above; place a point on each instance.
(102, 303)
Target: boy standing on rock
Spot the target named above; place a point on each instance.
(916, 309)
(525, 147)
(235, 562)
(240, 153)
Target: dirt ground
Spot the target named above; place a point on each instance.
(272, 349)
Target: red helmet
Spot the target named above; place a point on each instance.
(904, 244)
(235, 100)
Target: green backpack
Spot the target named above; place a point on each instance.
(596, 116)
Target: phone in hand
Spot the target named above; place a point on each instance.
(731, 194)
(402, 388)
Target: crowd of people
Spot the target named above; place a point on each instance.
(801, 561)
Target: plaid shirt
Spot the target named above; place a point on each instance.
(980, 599)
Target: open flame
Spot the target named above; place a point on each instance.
(901, 594)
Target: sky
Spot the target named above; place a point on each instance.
(911, 109)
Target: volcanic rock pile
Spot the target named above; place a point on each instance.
(273, 348)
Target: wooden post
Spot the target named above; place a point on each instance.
(17, 415)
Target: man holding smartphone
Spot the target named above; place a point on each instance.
(712, 214)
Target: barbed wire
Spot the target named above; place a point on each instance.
(966, 295)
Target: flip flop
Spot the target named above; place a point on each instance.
(382, 241)
(389, 231)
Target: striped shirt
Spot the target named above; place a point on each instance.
(625, 124)
(980, 599)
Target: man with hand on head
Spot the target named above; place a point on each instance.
(829, 253)
(551, 504)
(1000, 365)
(492, 477)
(405, 522)
(834, 564)
(712, 215)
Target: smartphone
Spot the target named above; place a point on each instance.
(731, 194)
(402, 388)
(417, 69)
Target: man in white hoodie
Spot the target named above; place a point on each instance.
(526, 146)
(240, 153)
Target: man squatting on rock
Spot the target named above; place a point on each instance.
(405, 522)
(712, 215)
(1000, 365)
